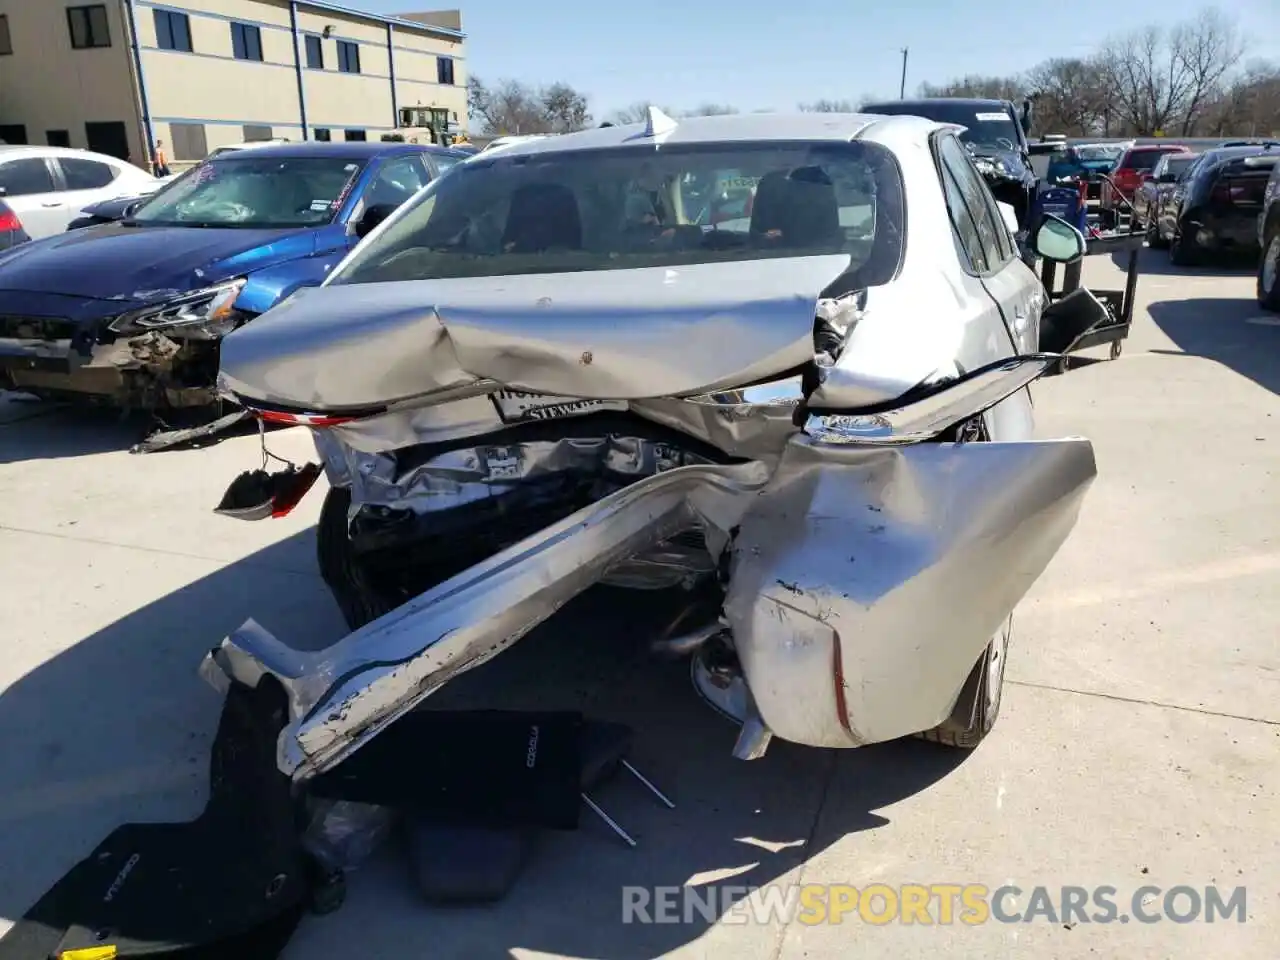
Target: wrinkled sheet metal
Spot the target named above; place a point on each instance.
(343, 696)
(598, 465)
(865, 582)
(617, 335)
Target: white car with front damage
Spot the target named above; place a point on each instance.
(555, 368)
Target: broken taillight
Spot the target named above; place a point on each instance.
(302, 419)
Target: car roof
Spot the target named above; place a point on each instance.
(1234, 153)
(11, 150)
(728, 128)
(347, 150)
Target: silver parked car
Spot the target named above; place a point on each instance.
(559, 367)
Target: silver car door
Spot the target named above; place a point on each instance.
(1017, 295)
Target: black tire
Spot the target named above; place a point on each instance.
(978, 705)
(1269, 270)
(358, 599)
(1183, 252)
(1154, 240)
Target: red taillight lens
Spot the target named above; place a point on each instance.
(9, 221)
(303, 419)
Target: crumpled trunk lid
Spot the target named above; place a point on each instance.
(608, 334)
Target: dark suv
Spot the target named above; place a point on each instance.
(994, 137)
(1269, 241)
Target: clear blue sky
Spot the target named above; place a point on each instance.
(756, 54)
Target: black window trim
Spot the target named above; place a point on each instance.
(348, 54)
(62, 173)
(244, 30)
(84, 10)
(170, 16)
(307, 39)
(943, 170)
(54, 171)
(445, 65)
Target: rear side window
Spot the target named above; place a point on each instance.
(86, 174)
(1142, 159)
(25, 176)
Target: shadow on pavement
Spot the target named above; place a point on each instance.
(1156, 263)
(1218, 329)
(117, 728)
(32, 430)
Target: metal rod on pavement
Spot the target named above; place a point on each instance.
(645, 780)
(613, 824)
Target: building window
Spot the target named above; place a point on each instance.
(13, 133)
(348, 57)
(320, 134)
(315, 53)
(444, 70)
(350, 135)
(88, 26)
(6, 41)
(246, 41)
(58, 138)
(254, 132)
(173, 30)
(189, 141)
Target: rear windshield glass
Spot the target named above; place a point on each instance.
(640, 206)
(1176, 166)
(1143, 159)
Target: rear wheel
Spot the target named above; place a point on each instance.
(1154, 240)
(978, 705)
(1269, 273)
(1183, 252)
(352, 588)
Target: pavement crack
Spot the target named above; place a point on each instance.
(832, 758)
(1146, 703)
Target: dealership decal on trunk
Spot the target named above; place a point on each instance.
(516, 406)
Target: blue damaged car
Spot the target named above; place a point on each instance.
(131, 313)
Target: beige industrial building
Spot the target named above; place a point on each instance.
(120, 75)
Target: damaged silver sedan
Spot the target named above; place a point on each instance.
(781, 363)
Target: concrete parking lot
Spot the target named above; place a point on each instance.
(1138, 742)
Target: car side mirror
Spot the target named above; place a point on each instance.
(132, 208)
(1058, 241)
(372, 216)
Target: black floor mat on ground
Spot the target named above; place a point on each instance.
(489, 768)
(229, 885)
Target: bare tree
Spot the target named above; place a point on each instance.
(1205, 50)
(564, 108)
(638, 112)
(829, 106)
(1074, 99)
(511, 107)
(710, 110)
(1163, 78)
(975, 85)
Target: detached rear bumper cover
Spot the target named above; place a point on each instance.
(864, 584)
